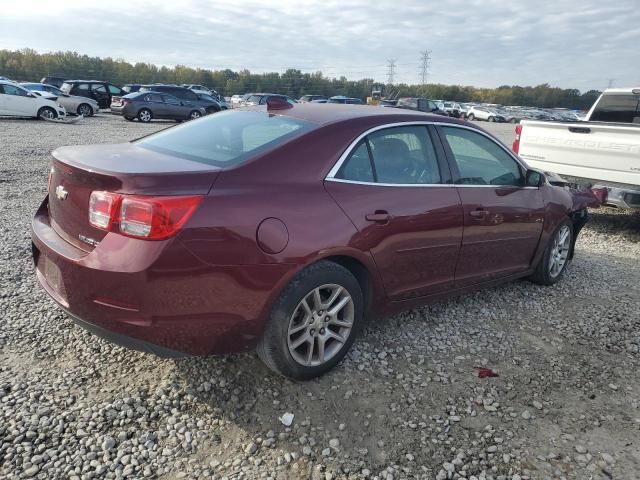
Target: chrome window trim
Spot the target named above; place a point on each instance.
(334, 170)
(377, 184)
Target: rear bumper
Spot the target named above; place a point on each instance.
(623, 197)
(155, 296)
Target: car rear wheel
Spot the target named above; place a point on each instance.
(492, 119)
(145, 115)
(313, 323)
(513, 120)
(47, 112)
(194, 115)
(129, 119)
(471, 116)
(85, 110)
(556, 256)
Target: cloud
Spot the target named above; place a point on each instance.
(473, 42)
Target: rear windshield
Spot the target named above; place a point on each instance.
(623, 108)
(226, 138)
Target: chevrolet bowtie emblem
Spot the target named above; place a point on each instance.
(61, 193)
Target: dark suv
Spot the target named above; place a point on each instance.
(101, 92)
(201, 100)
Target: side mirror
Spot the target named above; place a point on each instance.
(534, 178)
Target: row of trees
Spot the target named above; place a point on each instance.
(30, 65)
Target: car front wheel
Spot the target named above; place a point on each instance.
(471, 116)
(195, 115)
(47, 112)
(556, 256)
(313, 323)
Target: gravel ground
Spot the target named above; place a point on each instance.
(407, 402)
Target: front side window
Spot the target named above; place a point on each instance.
(480, 160)
(226, 138)
(113, 90)
(398, 155)
(617, 108)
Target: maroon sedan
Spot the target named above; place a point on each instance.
(280, 229)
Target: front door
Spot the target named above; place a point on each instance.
(391, 187)
(100, 95)
(503, 218)
(17, 101)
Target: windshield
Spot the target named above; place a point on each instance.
(226, 138)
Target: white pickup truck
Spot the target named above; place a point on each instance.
(601, 151)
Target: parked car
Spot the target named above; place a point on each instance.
(16, 101)
(55, 81)
(347, 100)
(484, 113)
(224, 105)
(311, 98)
(236, 100)
(452, 109)
(75, 105)
(600, 151)
(201, 100)
(419, 104)
(185, 242)
(101, 92)
(146, 106)
(262, 98)
(201, 89)
(131, 88)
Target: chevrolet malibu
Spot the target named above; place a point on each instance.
(280, 229)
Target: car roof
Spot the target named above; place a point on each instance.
(621, 90)
(327, 113)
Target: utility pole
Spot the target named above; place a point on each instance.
(425, 56)
(610, 82)
(391, 70)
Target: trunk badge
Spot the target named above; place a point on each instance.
(61, 193)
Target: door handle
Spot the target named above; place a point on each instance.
(380, 216)
(479, 213)
(579, 129)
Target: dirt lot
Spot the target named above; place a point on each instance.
(406, 403)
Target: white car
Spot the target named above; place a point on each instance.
(483, 113)
(236, 100)
(16, 101)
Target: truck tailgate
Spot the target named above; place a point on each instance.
(592, 150)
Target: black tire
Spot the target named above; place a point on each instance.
(85, 110)
(471, 116)
(194, 115)
(513, 120)
(129, 119)
(273, 348)
(145, 115)
(543, 274)
(491, 119)
(47, 112)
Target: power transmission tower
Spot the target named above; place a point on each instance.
(391, 70)
(425, 56)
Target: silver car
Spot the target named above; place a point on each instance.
(72, 103)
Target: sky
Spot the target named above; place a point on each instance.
(583, 44)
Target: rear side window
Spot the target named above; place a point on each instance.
(617, 108)
(113, 90)
(82, 86)
(481, 161)
(226, 138)
(398, 155)
(153, 97)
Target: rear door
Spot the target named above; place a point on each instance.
(503, 219)
(393, 186)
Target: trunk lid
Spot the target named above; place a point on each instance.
(123, 168)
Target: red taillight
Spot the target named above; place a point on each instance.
(601, 193)
(103, 208)
(516, 142)
(152, 218)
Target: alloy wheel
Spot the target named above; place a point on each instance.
(85, 110)
(320, 325)
(195, 115)
(559, 251)
(48, 113)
